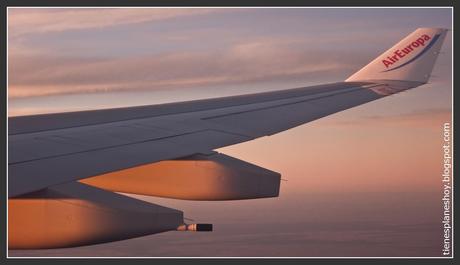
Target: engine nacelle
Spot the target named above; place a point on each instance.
(75, 214)
(199, 177)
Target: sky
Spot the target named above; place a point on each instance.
(362, 182)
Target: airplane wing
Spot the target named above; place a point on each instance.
(52, 149)
(49, 151)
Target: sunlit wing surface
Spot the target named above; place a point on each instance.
(167, 150)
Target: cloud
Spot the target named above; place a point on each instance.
(247, 61)
(23, 21)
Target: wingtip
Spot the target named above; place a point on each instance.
(408, 60)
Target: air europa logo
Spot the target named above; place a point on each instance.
(398, 54)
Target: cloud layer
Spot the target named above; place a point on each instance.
(24, 21)
(84, 50)
(251, 61)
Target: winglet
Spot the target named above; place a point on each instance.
(411, 60)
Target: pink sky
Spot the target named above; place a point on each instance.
(121, 57)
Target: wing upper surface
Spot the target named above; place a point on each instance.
(51, 149)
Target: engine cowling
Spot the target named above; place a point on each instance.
(76, 214)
